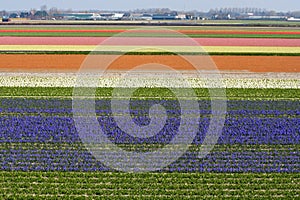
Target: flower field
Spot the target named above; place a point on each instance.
(256, 155)
(71, 63)
(202, 41)
(122, 49)
(207, 33)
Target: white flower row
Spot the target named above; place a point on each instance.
(141, 80)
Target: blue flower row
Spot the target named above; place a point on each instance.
(235, 131)
(217, 161)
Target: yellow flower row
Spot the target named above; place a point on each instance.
(189, 49)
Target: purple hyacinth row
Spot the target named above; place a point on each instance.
(217, 161)
(235, 131)
(40, 135)
(233, 106)
(247, 122)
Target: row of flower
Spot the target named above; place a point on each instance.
(246, 122)
(229, 81)
(235, 131)
(246, 108)
(279, 42)
(74, 157)
(53, 30)
(146, 49)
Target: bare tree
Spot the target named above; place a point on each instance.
(295, 14)
(53, 11)
(3, 13)
(44, 8)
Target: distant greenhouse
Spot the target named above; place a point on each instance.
(165, 16)
(74, 16)
(89, 16)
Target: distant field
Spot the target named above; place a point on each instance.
(195, 32)
(75, 34)
(128, 27)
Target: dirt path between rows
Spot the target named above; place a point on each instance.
(71, 63)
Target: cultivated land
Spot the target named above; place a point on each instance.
(256, 156)
(110, 185)
(72, 63)
(166, 41)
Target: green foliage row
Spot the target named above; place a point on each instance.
(155, 93)
(107, 34)
(112, 185)
(70, 114)
(223, 25)
(283, 150)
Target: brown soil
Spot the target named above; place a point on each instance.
(72, 63)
